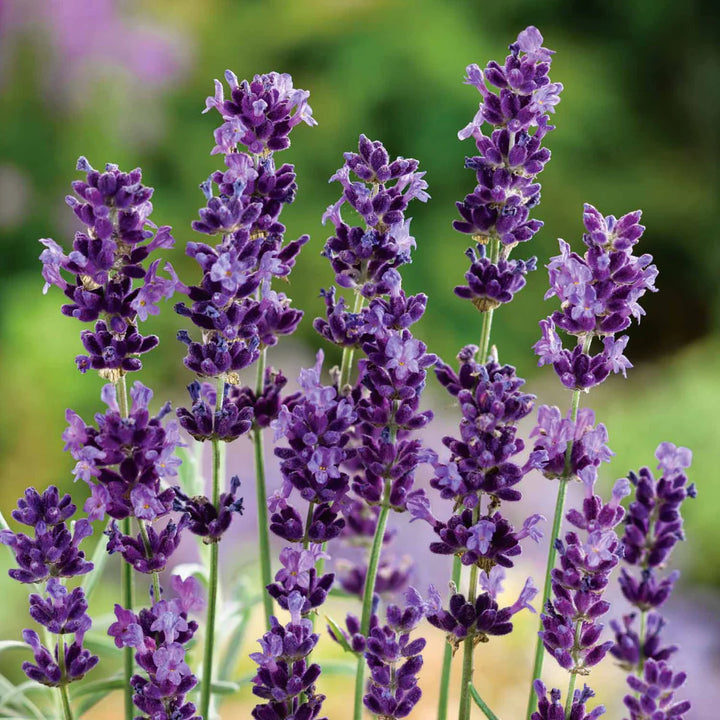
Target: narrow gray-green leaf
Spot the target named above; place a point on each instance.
(13, 645)
(98, 559)
(338, 634)
(224, 687)
(234, 646)
(104, 686)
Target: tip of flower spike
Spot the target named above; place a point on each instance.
(83, 165)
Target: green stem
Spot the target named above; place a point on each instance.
(570, 693)
(261, 494)
(217, 477)
(148, 553)
(369, 592)
(447, 656)
(641, 640)
(347, 357)
(126, 574)
(67, 710)
(489, 714)
(552, 550)
(308, 522)
(468, 667)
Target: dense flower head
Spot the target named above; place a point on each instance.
(653, 695)
(62, 612)
(628, 650)
(317, 433)
(360, 256)
(158, 636)
(205, 519)
(260, 113)
(78, 661)
(492, 284)
(554, 432)
(599, 294)
(204, 421)
(152, 556)
(299, 575)
(394, 660)
(480, 618)
(54, 550)
(654, 524)
(110, 286)
(571, 631)
(125, 459)
(266, 405)
(285, 679)
(551, 707)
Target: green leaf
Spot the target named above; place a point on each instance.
(338, 633)
(13, 645)
(224, 687)
(338, 667)
(234, 645)
(18, 694)
(489, 714)
(103, 686)
(99, 559)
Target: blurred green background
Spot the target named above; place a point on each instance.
(125, 82)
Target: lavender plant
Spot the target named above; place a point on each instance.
(347, 446)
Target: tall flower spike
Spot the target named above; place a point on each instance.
(110, 286)
(510, 159)
(599, 294)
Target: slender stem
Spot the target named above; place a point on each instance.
(126, 574)
(348, 352)
(369, 592)
(489, 714)
(261, 494)
(570, 693)
(641, 641)
(308, 522)
(447, 656)
(148, 553)
(468, 667)
(218, 449)
(552, 550)
(67, 710)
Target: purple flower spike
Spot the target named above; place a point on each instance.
(110, 286)
(78, 662)
(654, 696)
(394, 660)
(54, 551)
(599, 294)
(361, 256)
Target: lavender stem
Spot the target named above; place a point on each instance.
(369, 590)
(468, 667)
(348, 352)
(552, 550)
(217, 473)
(67, 710)
(447, 657)
(148, 552)
(261, 494)
(126, 576)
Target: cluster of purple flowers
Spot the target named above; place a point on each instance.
(507, 166)
(653, 527)
(285, 678)
(234, 305)
(125, 461)
(159, 636)
(110, 286)
(481, 473)
(599, 294)
(52, 554)
(571, 631)
(552, 708)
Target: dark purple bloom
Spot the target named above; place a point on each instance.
(106, 262)
(161, 545)
(627, 648)
(203, 518)
(299, 575)
(204, 422)
(552, 707)
(285, 679)
(654, 693)
(394, 660)
(62, 612)
(78, 662)
(54, 551)
(361, 256)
